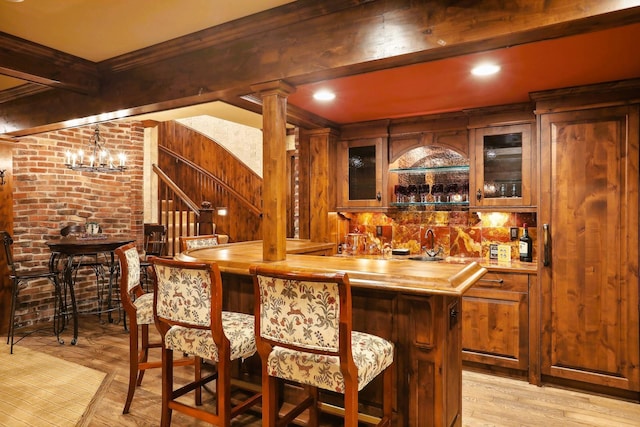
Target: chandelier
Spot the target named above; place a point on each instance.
(96, 159)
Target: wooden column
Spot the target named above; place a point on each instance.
(322, 160)
(274, 155)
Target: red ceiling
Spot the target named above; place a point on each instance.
(447, 85)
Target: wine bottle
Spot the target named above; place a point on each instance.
(526, 245)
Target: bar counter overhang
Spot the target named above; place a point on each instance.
(415, 304)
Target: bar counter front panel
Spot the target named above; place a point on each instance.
(414, 304)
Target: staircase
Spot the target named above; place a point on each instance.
(192, 169)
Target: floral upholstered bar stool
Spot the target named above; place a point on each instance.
(188, 313)
(304, 335)
(138, 306)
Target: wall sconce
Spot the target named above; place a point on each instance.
(222, 211)
(2, 176)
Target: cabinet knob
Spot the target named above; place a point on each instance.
(479, 195)
(379, 196)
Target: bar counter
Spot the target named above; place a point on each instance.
(414, 304)
(396, 274)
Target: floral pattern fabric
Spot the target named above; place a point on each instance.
(184, 295)
(133, 264)
(307, 315)
(304, 313)
(201, 243)
(238, 328)
(144, 309)
(371, 355)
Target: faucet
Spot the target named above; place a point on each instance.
(431, 252)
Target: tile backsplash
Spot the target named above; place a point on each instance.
(461, 234)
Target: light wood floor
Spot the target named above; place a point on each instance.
(487, 400)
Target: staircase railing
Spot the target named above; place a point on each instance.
(207, 182)
(175, 210)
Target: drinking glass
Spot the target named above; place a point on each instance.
(452, 190)
(436, 191)
(423, 191)
(412, 191)
(397, 190)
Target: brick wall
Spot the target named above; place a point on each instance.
(47, 196)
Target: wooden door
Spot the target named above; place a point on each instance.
(589, 289)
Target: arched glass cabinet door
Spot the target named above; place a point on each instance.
(429, 177)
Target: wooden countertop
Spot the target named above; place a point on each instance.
(494, 265)
(398, 275)
(491, 265)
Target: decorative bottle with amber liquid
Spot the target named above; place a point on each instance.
(526, 245)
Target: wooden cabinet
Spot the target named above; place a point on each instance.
(427, 371)
(361, 179)
(503, 168)
(588, 223)
(495, 321)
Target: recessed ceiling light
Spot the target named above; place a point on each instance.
(485, 69)
(14, 1)
(324, 95)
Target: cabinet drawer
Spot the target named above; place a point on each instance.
(495, 321)
(512, 282)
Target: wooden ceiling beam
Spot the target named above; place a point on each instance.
(39, 64)
(363, 37)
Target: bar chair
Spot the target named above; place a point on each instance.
(20, 279)
(155, 241)
(138, 305)
(188, 313)
(304, 335)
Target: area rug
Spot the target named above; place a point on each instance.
(40, 390)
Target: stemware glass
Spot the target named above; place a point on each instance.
(412, 192)
(436, 191)
(397, 190)
(423, 191)
(451, 192)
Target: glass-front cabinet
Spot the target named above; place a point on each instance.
(502, 167)
(361, 183)
(430, 178)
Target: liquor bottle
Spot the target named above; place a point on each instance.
(526, 245)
